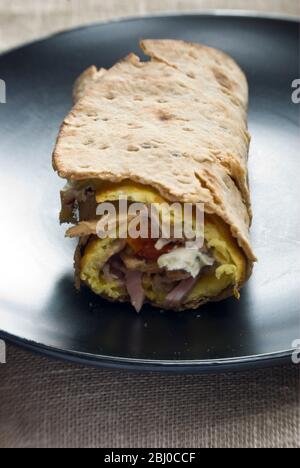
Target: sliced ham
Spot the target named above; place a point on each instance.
(72, 194)
(117, 266)
(84, 228)
(107, 274)
(69, 197)
(133, 263)
(135, 289)
(114, 269)
(175, 297)
(110, 273)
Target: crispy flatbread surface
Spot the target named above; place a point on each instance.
(177, 122)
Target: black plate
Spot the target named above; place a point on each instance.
(38, 304)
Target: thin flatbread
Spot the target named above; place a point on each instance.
(177, 122)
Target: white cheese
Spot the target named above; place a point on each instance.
(191, 260)
(161, 243)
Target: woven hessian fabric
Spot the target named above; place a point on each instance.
(46, 403)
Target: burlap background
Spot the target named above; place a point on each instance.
(26, 20)
(44, 403)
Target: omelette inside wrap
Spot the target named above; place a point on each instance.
(172, 129)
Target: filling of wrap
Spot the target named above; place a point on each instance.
(171, 273)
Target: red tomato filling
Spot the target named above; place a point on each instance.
(145, 248)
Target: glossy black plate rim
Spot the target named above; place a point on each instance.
(235, 13)
(145, 365)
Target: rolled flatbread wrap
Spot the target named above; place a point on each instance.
(172, 129)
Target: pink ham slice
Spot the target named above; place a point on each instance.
(110, 273)
(135, 289)
(117, 267)
(114, 269)
(175, 297)
(106, 273)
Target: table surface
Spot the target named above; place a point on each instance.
(25, 21)
(45, 403)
